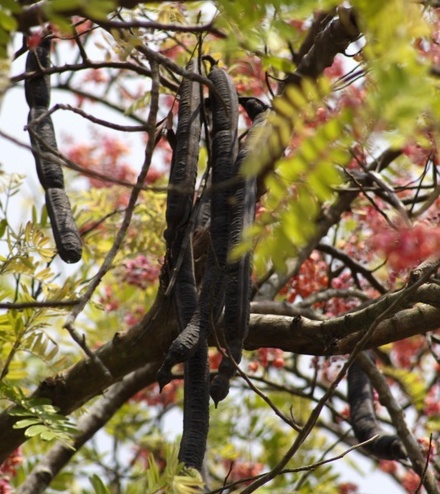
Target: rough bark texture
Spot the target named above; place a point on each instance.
(148, 341)
(98, 415)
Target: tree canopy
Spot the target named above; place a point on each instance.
(336, 116)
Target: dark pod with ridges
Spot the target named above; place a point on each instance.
(179, 209)
(196, 409)
(50, 173)
(184, 163)
(224, 153)
(224, 103)
(363, 418)
(37, 88)
(238, 285)
(67, 238)
(48, 168)
(184, 292)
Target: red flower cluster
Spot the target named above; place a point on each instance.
(241, 469)
(267, 357)
(140, 271)
(8, 469)
(405, 352)
(432, 402)
(153, 397)
(348, 488)
(312, 277)
(408, 246)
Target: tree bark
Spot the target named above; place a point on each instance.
(149, 340)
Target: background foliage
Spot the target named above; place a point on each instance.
(349, 168)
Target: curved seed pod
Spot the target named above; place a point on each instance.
(50, 174)
(195, 409)
(184, 292)
(224, 153)
(48, 169)
(67, 238)
(184, 163)
(238, 287)
(37, 88)
(179, 207)
(224, 104)
(363, 418)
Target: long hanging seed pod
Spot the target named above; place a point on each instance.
(224, 152)
(238, 287)
(363, 418)
(50, 174)
(184, 292)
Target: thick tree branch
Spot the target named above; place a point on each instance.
(333, 39)
(148, 341)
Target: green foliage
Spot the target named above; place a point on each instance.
(306, 177)
(303, 157)
(411, 382)
(259, 26)
(41, 419)
(98, 485)
(8, 24)
(167, 476)
(401, 94)
(59, 11)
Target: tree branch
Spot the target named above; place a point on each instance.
(398, 418)
(35, 14)
(99, 414)
(148, 341)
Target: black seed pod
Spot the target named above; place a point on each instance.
(363, 418)
(238, 285)
(224, 153)
(48, 167)
(67, 238)
(37, 88)
(50, 174)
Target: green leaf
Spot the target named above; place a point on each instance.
(3, 225)
(35, 430)
(413, 383)
(65, 5)
(98, 9)
(7, 22)
(98, 485)
(11, 5)
(21, 424)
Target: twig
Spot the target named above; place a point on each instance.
(180, 28)
(428, 454)
(44, 304)
(99, 121)
(398, 418)
(154, 106)
(308, 426)
(305, 468)
(325, 295)
(352, 264)
(252, 386)
(97, 416)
